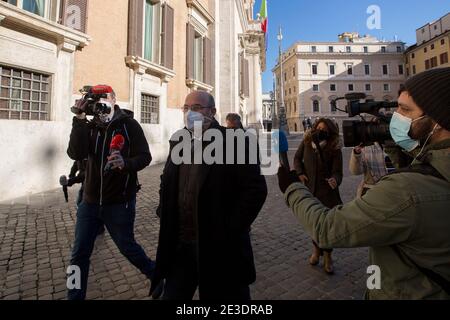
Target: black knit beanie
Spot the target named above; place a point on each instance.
(430, 90)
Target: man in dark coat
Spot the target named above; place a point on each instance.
(206, 212)
(110, 184)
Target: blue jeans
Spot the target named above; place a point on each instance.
(119, 220)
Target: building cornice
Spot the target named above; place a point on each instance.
(142, 66)
(199, 6)
(67, 39)
(416, 46)
(242, 14)
(195, 85)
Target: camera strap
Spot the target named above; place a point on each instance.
(428, 170)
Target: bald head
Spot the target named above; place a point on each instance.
(201, 98)
(202, 102)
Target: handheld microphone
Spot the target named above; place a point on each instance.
(117, 143)
(64, 182)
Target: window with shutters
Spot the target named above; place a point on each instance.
(25, 95)
(39, 7)
(199, 64)
(444, 58)
(149, 109)
(333, 107)
(350, 69)
(316, 106)
(332, 69)
(433, 62)
(198, 57)
(152, 32)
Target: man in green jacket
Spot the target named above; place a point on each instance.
(405, 218)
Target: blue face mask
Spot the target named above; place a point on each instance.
(191, 117)
(400, 127)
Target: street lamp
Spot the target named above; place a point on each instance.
(282, 110)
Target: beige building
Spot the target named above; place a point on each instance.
(37, 59)
(314, 73)
(268, 104)
(152, 52)
(241, 59)
(432, 49)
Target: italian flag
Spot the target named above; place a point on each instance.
(263, 16)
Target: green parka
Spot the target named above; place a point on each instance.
(404, 219)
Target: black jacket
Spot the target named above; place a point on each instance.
(91, 140)
(229, 201)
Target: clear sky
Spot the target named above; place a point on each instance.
(323, 20)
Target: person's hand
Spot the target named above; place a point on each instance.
(286, 178)
(116, 161)
(333, 183)
(358, 149)
(80, 108)
(304, 179)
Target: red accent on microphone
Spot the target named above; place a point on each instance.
(117, 142)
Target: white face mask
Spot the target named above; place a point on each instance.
(191, 117)
(107, 117)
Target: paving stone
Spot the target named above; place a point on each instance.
(37, 234)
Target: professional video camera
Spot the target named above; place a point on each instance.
(365, 132)
(93, 94)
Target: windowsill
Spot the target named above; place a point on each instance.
(66, 38)
(195, 85)
(143, 66)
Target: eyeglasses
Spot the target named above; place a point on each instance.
(194, 107)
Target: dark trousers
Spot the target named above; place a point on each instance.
(119, 220)
(182, 280)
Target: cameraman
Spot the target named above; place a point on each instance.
(111, 181)
(404, 218)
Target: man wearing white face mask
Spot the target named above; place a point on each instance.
(206, 212)
(404, 218)
(115, 147)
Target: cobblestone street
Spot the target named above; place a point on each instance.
(36, 235)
